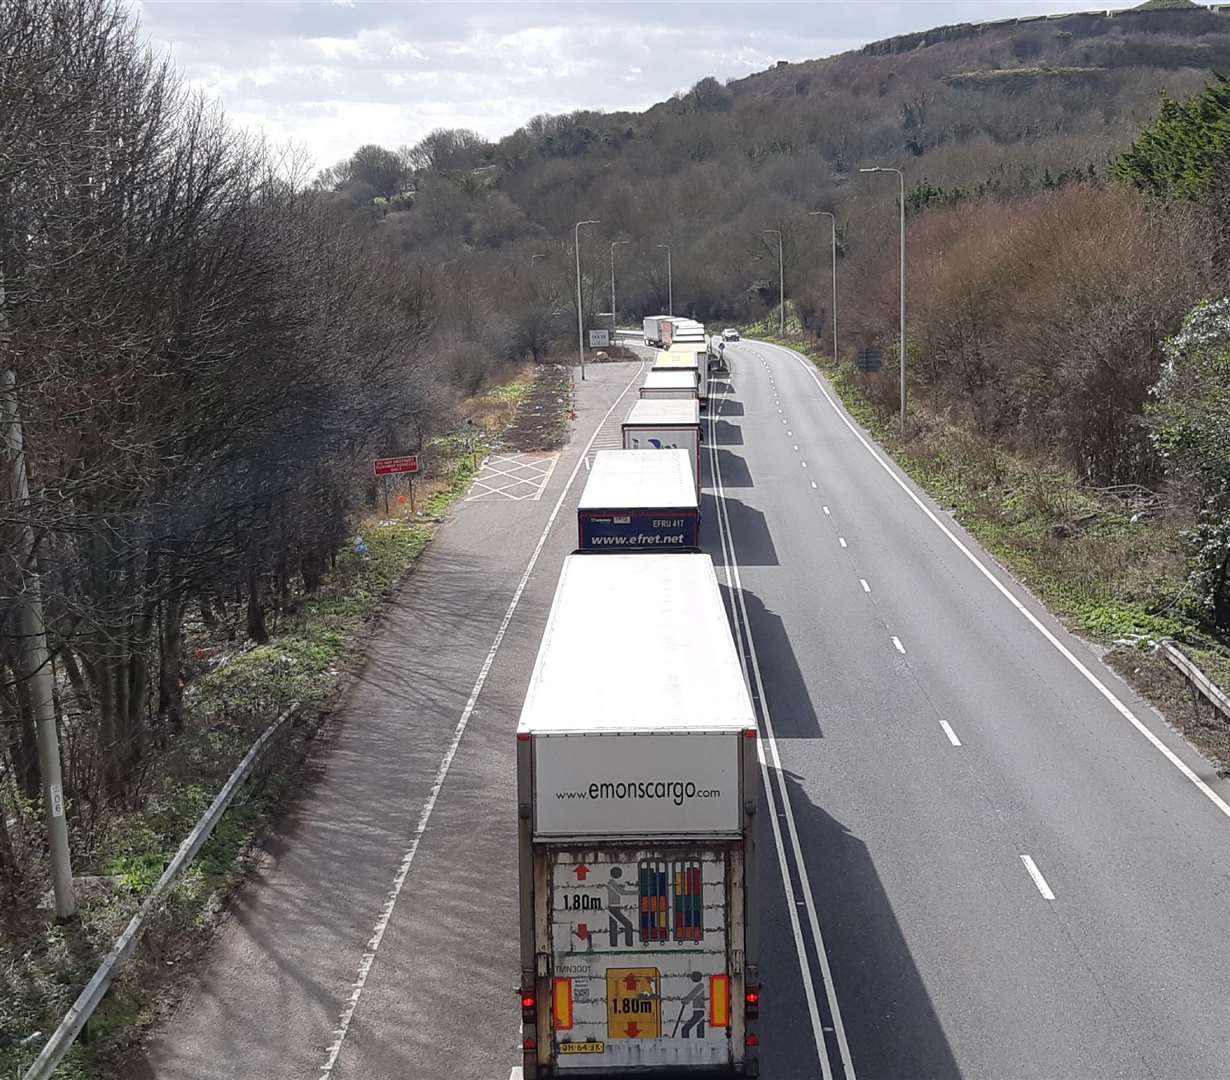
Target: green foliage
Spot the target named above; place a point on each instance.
(925, 195)
(1191, 428)
(139, 858)
(1191, 411)
(1178, 156)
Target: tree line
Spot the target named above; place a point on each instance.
(200, 354)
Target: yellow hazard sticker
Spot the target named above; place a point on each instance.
(633, 1003)
(582, 1048)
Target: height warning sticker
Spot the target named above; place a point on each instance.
(639, 940)
(633, 1003)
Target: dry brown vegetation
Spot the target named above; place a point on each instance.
(1039, 322)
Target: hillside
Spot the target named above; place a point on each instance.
(998, 104)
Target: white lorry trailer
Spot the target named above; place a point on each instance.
(687, 358)
(653, 330)
(665, 425)
(669, 385)
(639, 500)
(677, 332)
(637, 788)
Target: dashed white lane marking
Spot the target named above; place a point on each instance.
(403, 869)
(1039, 880)
(1028, 615)
(897, 645)
(750, 659)
(791, 435)
(796, 446)
(826, 509)
(863, 583)
(803, 463)
(813, 483)
(842, 541)
(952, 735)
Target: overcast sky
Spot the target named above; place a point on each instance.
(333, 74)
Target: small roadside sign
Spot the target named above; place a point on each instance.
(390, 465)
(599, 339)
(869, 358)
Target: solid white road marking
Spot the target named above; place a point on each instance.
(863, 583)
(897, 645)
(952, 735)
(399, 879)
(842, 541)
(1033, 620)
(1039, 880)
(735, 584)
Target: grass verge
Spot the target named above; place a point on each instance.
(237, 692)
(1110, 565)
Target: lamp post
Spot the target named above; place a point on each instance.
(576, 246)
(781, 280)
(833, 219)
(670, 294)
(613, 247)
(901, 178)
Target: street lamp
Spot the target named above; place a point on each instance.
(670, 294)
(576, 233)
(613, 247)
(832, 218)
(781, 279)
(901, 178)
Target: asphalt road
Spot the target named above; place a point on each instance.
(870, 630)
(882, 646)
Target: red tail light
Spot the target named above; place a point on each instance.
(752, 1040)
(530, 1044)
(528, 1001)
(751, 1003)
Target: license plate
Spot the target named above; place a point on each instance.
(582, 1048)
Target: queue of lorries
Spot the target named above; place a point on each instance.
(637, 770)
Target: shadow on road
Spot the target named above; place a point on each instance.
(891, 1026)
(789, 700)
(755, 542)
(728, 407)
(727, 434)
(735, 473)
